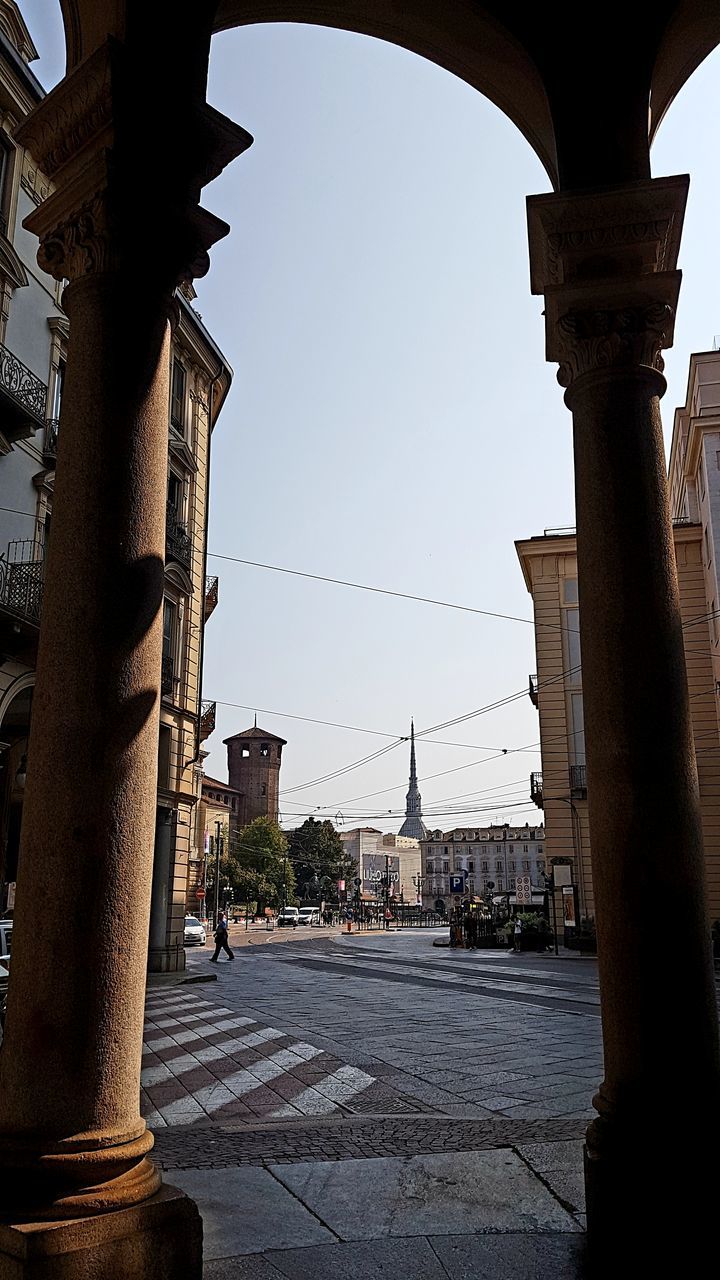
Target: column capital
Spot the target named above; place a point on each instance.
(605, 262)
(126, 173)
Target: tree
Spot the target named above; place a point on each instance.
(257, 865)
(319, 859)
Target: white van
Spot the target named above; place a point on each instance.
(289, 915)
(309, 915)
(6, 927)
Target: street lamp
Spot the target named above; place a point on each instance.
(550, 888)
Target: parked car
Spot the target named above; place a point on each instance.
(289, 915)
(309, 915)
(194, 932)
(6, 928)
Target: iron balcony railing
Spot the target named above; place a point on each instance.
(578, 782)
(536, 789)
(24, 394)
(211, 596)
(167, 676)
(207, 719)
(533, 689)
(178, 544)
(50, 442)
(22, 573)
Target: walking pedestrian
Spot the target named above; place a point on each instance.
(221, 940)
(388, 917)
(518, 934)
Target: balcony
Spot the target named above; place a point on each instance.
(167, 676)
(578, 782)
(178, 545)
(22, 572)
(22, 397)
(49, 451)
(533, 689)
(536, 789)
(211, 596)
(207, 719)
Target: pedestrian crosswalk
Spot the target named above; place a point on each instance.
(201, 1061)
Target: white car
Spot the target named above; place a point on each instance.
(194, 932)
(289, 915)
(6, 929)
(309, 915)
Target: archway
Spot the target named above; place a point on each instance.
(603, 254)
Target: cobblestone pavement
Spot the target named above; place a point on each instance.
(380, 1026)
(351, 1138)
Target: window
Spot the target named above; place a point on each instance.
(498, 865)
(7, 154)
(177, 398)
(164, 744)
(175, 493)
(540, 849)
(526, 864)
(263, 790)
(471, 866)
(570, 591)
(265, 749)
(512, 884)
(458, 865)
(541, 866)
(498, 848)
(511, 849)
(500, 884)
(525, 848)
(471, 886)
(245, 752)
(707, 544)
(483, 866)
(429, 868)
(446, 867)
(233, 803)
(511, 865)
(169, 629)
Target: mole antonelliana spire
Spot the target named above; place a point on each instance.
(413, 824)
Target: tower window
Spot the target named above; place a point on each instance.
(245, 753)
(263, 790)
(264, 749)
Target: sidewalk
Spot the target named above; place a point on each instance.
(508, 1213)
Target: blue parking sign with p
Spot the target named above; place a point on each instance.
(457, 883)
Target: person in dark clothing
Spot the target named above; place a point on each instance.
(221, 941)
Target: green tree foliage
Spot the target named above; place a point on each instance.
(257, 865)
(319, 859)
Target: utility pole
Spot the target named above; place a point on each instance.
(218, 850)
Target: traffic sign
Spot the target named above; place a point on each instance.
(523, 889)
(199, 893)
(457, 883)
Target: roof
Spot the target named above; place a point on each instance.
(256, 733)
(215, 782)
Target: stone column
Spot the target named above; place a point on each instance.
(605, 264)
(73, 1145)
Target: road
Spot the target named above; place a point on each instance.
(384, 1025)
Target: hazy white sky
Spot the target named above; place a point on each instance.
(392, 420)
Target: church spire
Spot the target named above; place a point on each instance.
(413, 824)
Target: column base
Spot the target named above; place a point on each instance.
(166, 960)
(650, 1209)
(160, 1239)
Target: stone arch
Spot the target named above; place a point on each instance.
(18, 686)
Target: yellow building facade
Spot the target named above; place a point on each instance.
(549, 565)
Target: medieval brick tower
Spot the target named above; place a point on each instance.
(254, 770)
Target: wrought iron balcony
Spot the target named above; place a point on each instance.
(533, 689)
(207, 719)
(178, 545)
(22, 573)
(578, 782)
(23, 396)
(49, 452)
(211, 596)
(167, 676)
(536, 789)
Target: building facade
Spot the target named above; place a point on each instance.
(490, 859)
(377, 855)
(200, 379)
(33, 343)
(559, 787)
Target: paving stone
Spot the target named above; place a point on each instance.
(412, 1259)
(423, 1195)
(247, 1211)
(511, 1257)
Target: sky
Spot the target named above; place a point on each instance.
(392, 419)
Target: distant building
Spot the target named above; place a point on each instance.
(254, 759)
(491, 859)
(376, 855)
(413, 825)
